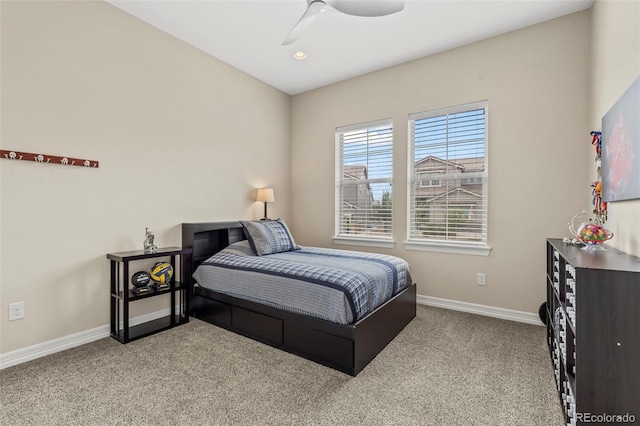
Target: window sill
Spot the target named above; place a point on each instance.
(448, 247)
(369, 242)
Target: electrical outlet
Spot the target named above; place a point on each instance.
(16, 311)
(482, 279)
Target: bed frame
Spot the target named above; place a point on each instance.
(347, 348)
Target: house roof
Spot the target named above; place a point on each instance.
(432, 158)
(457, 189)
(355, 171)
(471, 164)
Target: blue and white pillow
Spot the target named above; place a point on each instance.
(268, 236)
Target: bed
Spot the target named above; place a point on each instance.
(346, 336)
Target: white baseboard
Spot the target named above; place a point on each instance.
(489, 311)
(67, 342)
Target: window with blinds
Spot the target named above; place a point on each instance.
(448, 176)
(364, 170)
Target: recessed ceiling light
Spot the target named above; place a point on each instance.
(299, 55)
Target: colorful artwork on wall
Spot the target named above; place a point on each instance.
(621, 147)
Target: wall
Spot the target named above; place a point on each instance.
(168, 125)
(180, 137)
(536, 81)
(615, 64)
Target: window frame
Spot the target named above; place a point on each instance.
(359, 239)
(481, 248)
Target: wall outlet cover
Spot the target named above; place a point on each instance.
(16, 311)
(482, 279)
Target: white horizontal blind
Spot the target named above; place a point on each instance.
(448, 175)
(364, 171)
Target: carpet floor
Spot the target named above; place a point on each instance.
(445, 368)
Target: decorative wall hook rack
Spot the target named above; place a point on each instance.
(44, 158)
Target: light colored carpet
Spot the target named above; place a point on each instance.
(445, 368)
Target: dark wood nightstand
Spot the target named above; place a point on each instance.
(122, 293)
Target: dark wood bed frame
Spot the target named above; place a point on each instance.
(347, 348)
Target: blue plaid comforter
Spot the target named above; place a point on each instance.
(367, 280)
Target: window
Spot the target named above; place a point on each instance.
(471, 181)
(425, 182)
(364, 170)
(447, 202)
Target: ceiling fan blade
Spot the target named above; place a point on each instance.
(367, 7)
(314, 9)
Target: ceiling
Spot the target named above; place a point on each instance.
(249, 34)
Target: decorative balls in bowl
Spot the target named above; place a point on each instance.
(593, 233)
(588, 229)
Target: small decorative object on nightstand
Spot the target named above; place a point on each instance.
(161, 274)
(140, 281)
(149, 247)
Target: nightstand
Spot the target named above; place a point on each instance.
(122, 293)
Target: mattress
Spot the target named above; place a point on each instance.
(340, 286)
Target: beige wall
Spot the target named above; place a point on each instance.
(536, 81)
(180, 137)
(167, 124)
(615, 64)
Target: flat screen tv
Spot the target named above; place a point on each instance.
(621, 147)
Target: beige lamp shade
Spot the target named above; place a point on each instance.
(265, 195)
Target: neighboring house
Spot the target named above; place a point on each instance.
(448, 197)
(450, 193)
(357, 200)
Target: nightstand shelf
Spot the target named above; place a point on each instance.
(150, 327)
(133, 296)
(122, 294)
